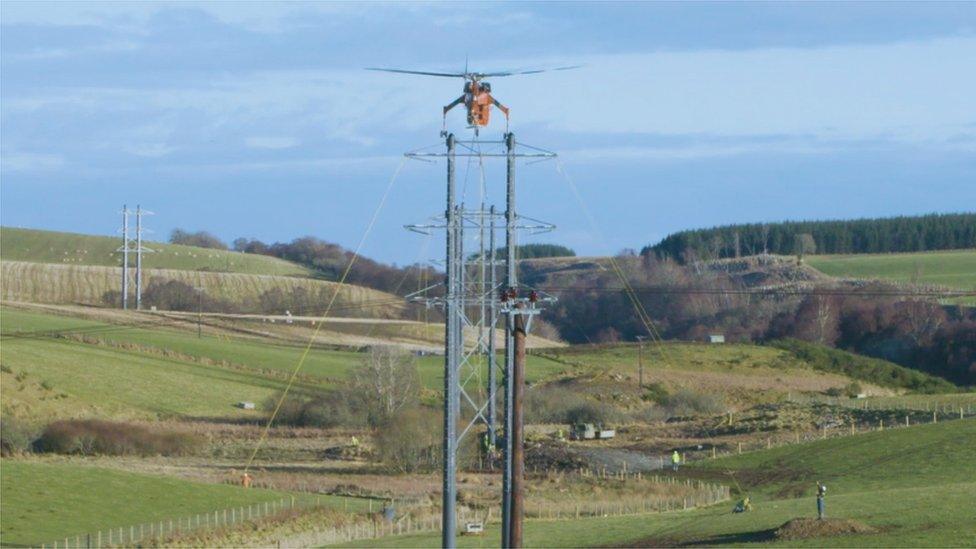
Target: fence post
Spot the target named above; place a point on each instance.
(935, 417)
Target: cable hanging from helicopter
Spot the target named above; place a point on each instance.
(477, 97)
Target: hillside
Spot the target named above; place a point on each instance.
(741, 374)
(79, 249)
(44, 502)
(88, 285)
(899, 458)
(952, 269)
(58, 366)
(913, 487)
(853, 236)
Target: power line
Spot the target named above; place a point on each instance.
(765, 291)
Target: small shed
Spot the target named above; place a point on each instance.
(716, 338)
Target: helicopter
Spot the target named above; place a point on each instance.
(477, 97)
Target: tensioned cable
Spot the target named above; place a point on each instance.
(318, 324)
(418, 265)
(787, 292)
(642, 314)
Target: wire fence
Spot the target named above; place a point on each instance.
(695, 494)
(699, 494)
(141, 534)
(888, 418)
(411, 521)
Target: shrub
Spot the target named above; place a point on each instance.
(407, 440)
(872, 370)
(98, 437)
(853, 389)
(685, 402)
(655, 392)
(16, 437)
(554, 404)
(5, 368)
(327, 410)
(202, 239)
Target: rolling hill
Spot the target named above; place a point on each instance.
(44, 502)
(80, 249)
(952, 269)
(57, 366)
(88, 284)
(913, 486)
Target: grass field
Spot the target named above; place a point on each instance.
(920, 456)
(89, 375)
(955, 269)
(881, 479)
(108, 382)
(43, 502)
(745, 373)
(80, 249)
(87, 284)
(938, 516)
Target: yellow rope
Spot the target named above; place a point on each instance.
(325, 315)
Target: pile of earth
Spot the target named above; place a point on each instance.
(785, 416)
(572, 456)
(803, 528)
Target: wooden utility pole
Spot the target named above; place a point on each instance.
(518, 436)
(640, 361)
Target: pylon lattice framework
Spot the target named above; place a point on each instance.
(132, 245)
(475, 300)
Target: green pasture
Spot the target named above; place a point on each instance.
(935, 516)
(955, 269)
(923, 455)
(44, 502)
(744, 359)
(914, 485)
(156, 378)
(80, 249)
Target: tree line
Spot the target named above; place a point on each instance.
(328, 260)
(856, 236)
(914, 332)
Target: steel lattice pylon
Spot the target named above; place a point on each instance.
(475, 300)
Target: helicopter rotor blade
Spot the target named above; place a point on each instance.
(530, 71)
(422, 73)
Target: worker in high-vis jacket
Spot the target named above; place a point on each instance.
(675, 460)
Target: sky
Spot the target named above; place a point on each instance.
(257, 119)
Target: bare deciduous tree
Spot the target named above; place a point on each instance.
(389, 381)
(922, 319)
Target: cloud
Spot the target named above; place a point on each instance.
(908, 91)
(31, 162)
(271, 142)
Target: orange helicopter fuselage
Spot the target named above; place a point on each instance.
(478, 101)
